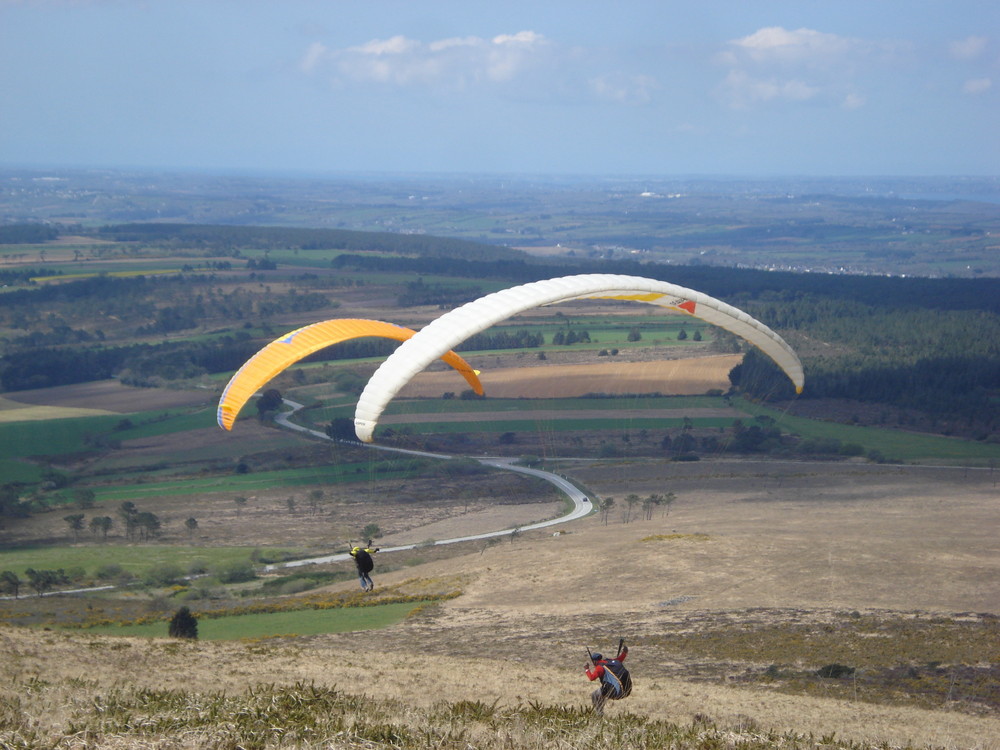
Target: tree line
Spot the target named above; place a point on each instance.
(930, 344)
(137, 364)
(149, 304)
(731, 284)
(27, 234)
(229, 239)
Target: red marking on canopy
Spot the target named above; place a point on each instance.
(687, 306)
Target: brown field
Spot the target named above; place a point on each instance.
(94, 399)
(110, 396)
(681, 377)
(12, 411)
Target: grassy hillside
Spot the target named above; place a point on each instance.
(758, 577)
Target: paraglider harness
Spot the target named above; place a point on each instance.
(616, 682)
(363, 559)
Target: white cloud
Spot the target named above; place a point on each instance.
(464, 41)
(456, 62)
(969, 48)
(521, 37)
(397, 45)
(313, 57)
(777, 44)
(743, 90)
(636, 89)
(977, 86)
(853, 101)
(775, 64)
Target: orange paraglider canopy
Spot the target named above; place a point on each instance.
(302, 342)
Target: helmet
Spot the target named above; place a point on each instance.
(596, 656)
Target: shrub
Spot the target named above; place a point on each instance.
(835, 671)
(851, 449)
(235, 572)
(163, 575)
(609, 450)
(183, 625)
(109, 571)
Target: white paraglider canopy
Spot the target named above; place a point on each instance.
(456, 326)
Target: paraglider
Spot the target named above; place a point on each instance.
(453, 327)
(616, 682)
(302, 342)
(364, 563)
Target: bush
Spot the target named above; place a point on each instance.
(819, 445)
(109, 571)
(851, 449)
(460, 467)
(835, 671)
(183, 625)
(198, 567)
(609, 450)
(235, 572)
(163, 575)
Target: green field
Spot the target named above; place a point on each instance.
(523, 407)
(13, 470)
(893, 444)
(136, 559)
(54, 437)
(298, 622)
(280, 479)
(613, 427)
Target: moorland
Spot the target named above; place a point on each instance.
(789, 571)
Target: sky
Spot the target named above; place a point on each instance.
(555, 87)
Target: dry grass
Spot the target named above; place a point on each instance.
(58, 685)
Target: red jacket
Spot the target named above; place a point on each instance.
(598, 670)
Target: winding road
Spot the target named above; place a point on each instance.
(581, 503)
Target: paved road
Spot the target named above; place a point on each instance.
(581, 503)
